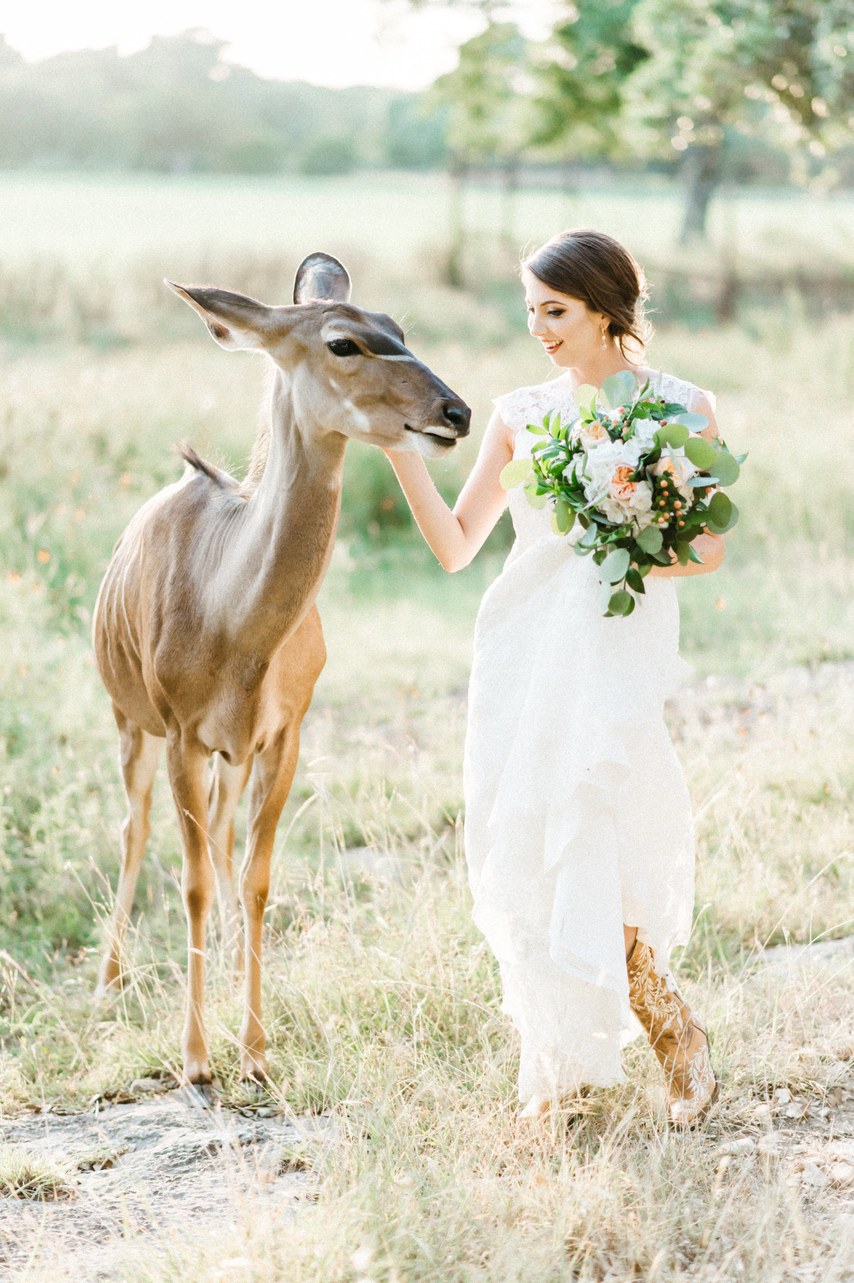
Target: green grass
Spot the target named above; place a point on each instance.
(382, 1001)
(79, 218)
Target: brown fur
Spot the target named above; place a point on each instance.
(205, 630)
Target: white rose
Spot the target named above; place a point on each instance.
(644, 432)
(608, 483)
(604, 458)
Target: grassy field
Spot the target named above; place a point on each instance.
(381, 1000)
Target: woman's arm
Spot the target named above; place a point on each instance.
(455, 536)
(710, 547)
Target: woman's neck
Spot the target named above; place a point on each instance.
(599, 368)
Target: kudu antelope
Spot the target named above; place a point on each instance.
(206, 633)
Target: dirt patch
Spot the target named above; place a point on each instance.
(147, 1173)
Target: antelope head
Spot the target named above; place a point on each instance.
(344, 369)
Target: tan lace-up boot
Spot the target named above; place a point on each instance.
(677, 1037)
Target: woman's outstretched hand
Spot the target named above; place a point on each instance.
(712, 549)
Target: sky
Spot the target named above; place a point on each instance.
(331, 42)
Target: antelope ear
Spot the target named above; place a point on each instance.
(321, 278)
(234, 320)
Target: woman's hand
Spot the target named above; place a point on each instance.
(709, 547)
(712, 550)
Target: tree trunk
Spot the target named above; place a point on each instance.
(454, 273)
(510, 186)
(703, 174)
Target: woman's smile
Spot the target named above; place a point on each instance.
(568, 330)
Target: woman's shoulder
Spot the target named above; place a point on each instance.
(678, 389)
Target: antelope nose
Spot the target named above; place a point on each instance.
(458, 415)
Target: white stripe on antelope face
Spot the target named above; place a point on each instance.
(360, 419)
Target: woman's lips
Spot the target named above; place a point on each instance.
(553, 346)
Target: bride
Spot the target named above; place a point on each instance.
(578, 829)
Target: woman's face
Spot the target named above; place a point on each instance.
(569, 332)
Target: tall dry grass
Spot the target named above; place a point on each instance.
(383, 1005)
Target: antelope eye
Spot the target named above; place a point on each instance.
(343, 347)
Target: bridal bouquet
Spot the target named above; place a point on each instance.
(635, 474)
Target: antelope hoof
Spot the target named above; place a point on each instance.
(110, 981)
(254, 1069)
(199, 1095)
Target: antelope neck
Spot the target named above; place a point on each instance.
(294, 510)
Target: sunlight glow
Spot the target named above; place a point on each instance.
(336, 42)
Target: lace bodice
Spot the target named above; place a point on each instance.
(529, 405)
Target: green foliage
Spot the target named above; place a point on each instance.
(328, 154)
(487, 96)
(582, 71)
(178, 106)
(774, 70)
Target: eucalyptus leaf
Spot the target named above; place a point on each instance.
(622, 603)
(701, 452)
(619, 389)
(720, 508)
(674, 434)
(585, 397)
(721, 530)
(682, 550)
(696, 422)
(615, 565)
(534, 497)
(650, 539)
(514, 473)
(725, 469)
(564, 516)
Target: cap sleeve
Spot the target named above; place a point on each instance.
(696, 393)
(520, 407)
(507, 406)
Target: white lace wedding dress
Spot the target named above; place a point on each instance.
(577, 813)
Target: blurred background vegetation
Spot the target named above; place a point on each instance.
(711, 138)
(714, 138)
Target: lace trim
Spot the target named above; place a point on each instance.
(529, 404)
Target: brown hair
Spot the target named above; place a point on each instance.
(595, 268)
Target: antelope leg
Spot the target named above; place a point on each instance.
(271, 783)
(226, 787)
(188, 777)
(139, 753)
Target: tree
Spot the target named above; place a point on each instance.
(758, 66)
(489, 102)
(582, 71)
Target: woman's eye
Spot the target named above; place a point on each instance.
(343, 347)
(558, 311)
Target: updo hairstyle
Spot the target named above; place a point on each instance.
(595, 268)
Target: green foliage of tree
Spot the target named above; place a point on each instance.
(782, 69)
(415, 133)
(582, 71)
(489, 95)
